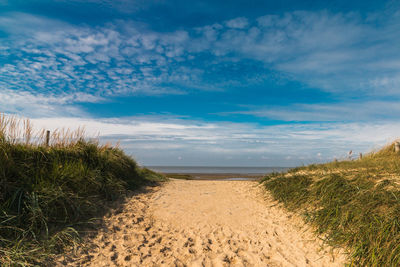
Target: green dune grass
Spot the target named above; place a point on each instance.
(355, 204)
(45, 191)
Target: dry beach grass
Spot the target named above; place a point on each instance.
(355, 204)
(48, 191)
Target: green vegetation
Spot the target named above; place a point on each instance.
(46, 191)
(355, 204)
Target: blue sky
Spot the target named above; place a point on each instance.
(231, 83)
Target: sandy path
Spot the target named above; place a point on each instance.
(207, 223)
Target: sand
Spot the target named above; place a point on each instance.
(206, 223)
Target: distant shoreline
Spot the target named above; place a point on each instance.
(204, 172)
(214, 176)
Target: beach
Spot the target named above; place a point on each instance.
(204, 223)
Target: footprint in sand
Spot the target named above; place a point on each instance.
(205, 223)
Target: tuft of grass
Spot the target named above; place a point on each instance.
(45, 191)
(355, 204)
(292, 192)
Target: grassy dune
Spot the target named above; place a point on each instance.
(45, 191)
(355, 204)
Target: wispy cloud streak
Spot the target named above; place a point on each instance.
(151, 139)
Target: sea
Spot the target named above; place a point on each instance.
(217, 170)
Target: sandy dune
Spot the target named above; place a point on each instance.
(206, 223)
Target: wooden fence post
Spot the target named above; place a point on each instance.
(47, 138)
(397, 147)
(360, 155)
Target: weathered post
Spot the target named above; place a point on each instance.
(47, 138)
(360, 156)
(397, 147)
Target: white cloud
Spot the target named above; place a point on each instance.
(154, 140)
(348, 111)
(237, 23)
(96, 61)
(40, 105)
(56, 65)
(340, 53)
(332, 52)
